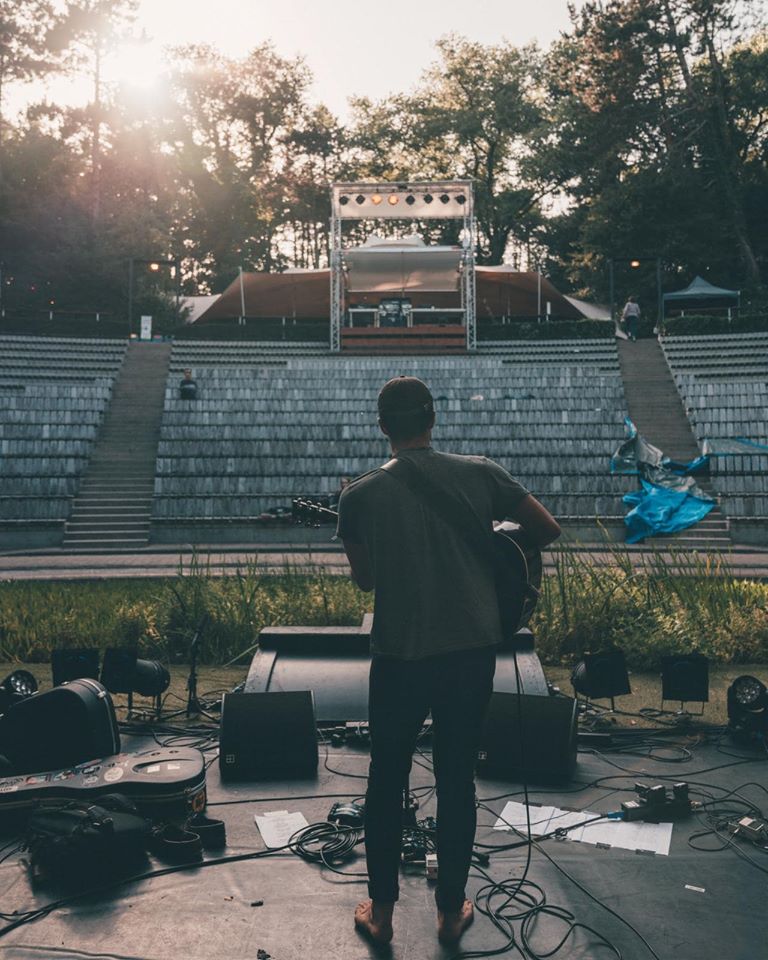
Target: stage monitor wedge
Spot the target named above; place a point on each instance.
(541, 750)
(268, 736)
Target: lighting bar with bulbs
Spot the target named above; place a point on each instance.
(433, 200)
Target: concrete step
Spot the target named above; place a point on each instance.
(108, 533)
(114, 543)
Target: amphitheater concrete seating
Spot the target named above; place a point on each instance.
(53, 394)
(261, 431)
(723, 382)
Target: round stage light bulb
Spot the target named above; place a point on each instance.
(747, 690)
(344, 200)
(393, 199)
(634, 264)
(376, 198)
(461, 198)
(410, 200)
(359, 198)
(428, 198)
(444, 198)
(154, 267)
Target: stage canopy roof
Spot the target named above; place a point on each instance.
(401, 266)
(305, 295)
(701, 289)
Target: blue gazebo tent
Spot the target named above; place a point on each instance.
(700, 293)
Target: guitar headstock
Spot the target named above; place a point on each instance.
(313, 511)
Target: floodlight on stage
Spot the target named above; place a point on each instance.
(359, 198)
(123, 672)
(376, 199)
(634, 264)
(17, 686)
(410, 199)
(747, 701)
(461, 199)
(393, 199)
(344, 200)
(428, 198)
(444, 198)
(601, 676)
(74, 663)
(685, 677)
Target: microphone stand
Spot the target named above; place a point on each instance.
(193, 704)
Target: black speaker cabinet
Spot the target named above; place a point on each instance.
(540, 750)
(268, 736)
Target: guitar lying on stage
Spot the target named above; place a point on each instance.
(517, 561)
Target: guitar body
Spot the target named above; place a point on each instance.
(518, 563)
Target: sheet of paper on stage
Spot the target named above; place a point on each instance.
(278, 826)
(648, 837)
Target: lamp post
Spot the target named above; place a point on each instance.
(154, 265)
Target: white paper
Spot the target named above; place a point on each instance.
(634, 835)
(278, 826)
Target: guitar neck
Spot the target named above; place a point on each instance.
(312, 513)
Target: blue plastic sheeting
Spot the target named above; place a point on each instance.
(658, 510)
(670, 499)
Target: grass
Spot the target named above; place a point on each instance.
(672, 605)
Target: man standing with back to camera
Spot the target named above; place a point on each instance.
(435, 633)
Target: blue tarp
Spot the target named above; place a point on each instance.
(669, 499)
(662, 510)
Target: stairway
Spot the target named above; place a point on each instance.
(113, 506)
(656, 409)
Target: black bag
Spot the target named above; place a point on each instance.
(78, 841)
(60, 728)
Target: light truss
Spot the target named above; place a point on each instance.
(423, 200)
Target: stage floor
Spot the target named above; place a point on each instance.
(689, 905)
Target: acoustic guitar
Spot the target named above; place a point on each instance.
(518, 562)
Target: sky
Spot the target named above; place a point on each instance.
(353, 47)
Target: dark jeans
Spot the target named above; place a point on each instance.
(456, 687)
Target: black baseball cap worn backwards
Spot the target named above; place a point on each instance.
(404, 395)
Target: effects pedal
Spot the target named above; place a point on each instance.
(655, 805)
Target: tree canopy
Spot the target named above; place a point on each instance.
(642, 132)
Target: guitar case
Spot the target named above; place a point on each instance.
(61, 727)
(160, 781)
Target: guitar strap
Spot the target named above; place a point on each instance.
(444, 506)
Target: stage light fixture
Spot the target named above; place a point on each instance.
(444, 198)
(634, 264)
(461, 199)
(410, 199)
(344, 200)
(747, 701)
(601, 676)
(393, 199)
(123, 672)
(685, 677)
(74, 663)
(359, 199)
(428, 198)
(17, 686)
(376, 199)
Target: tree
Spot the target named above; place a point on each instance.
(93, 28)
(476, 115)
(645, 102)
(26, 29)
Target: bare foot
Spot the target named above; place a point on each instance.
(374, 921)
(450, 926)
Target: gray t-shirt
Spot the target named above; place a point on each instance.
(434, 594)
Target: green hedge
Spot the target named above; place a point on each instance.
(701, 325)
